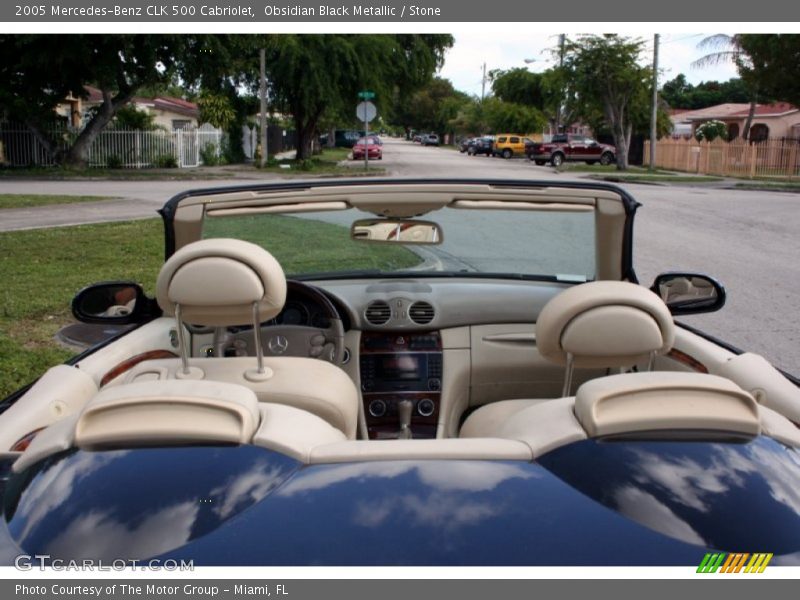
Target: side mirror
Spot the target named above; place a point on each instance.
(119, 302)
(689, 293)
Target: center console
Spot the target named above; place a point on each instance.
(398, 369)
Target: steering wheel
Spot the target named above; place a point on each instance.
(326, 343)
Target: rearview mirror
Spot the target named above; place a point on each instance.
(689, 293)
(404, 231)
(118, 302)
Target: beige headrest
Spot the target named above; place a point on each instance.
(156, 413)
(665, 401)
(216, 281)
(604, 324)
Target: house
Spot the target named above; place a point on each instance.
(780, 120)
(169, 113)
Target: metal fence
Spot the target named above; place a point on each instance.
(739, 158)
(115, 148)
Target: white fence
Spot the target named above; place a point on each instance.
(116, 148)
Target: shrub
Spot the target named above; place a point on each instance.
(711, 130)
(114, 162)
(165, 161)
(209, 155)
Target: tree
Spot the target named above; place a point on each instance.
(43, 73)
(512, 117)
(434, 108)
(679, 93)
(606, 78)
(312, 74)
(773, 62)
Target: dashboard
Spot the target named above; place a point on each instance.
(421, 351)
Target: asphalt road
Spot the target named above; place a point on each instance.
(747, 239)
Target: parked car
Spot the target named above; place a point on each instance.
(430, 140)
(368, 144)
(343, 138)
(560, 415)
(482, 145)
(464, 144)
(509, 145)
(570, 147)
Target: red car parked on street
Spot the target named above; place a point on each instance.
(372, 147)
(570, 147)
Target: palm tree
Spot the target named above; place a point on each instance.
(729, 49)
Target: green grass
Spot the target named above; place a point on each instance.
(31, 200)
(584, 168)
(309, 246)
(641, 178)
(42, 270)
(786, 186)
(325, 164)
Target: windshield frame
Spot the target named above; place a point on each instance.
(629, 204)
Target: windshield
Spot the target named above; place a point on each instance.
(551, 244)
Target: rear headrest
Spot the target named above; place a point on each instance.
(216, 282)
(665, 401)
(604, 324)
(168, 413)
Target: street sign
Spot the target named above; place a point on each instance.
(366, 95)
(366, 111)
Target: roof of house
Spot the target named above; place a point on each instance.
(170, 104)
(777, 109)
(733, 110)
(720, 111)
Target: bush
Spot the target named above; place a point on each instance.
(711, 130)
(210, 156)
(165, 161)
(114, 162)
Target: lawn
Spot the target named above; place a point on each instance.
(43, 269)
(31, 200)
(325, 164)
(778, 186)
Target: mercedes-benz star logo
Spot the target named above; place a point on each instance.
(278, 344)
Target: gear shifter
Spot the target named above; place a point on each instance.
(404, 408)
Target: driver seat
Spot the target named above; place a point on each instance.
(229, 282)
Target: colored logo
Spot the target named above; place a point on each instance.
(737, 562)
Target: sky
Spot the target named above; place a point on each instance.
(463, 62)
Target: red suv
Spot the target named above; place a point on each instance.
(568, 146)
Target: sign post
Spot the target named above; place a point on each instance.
(366, 112)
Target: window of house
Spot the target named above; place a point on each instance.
(733, 131)
(759, 132)
(181, 123)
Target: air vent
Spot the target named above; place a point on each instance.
(421, 313)
(378, 312)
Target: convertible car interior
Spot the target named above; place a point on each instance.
(423, 362)
(316, 362)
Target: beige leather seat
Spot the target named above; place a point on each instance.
(611, 324)
(228, 282)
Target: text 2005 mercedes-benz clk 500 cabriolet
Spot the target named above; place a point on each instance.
(431, 372)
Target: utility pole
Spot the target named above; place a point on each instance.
(654, 108)
(483, 83)
(562, 38)
(263, 119)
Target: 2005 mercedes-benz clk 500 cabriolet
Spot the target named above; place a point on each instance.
(453, 373)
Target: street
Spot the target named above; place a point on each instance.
(746, 239)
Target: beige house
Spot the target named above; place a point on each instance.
(776, 121)
(169, 113)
